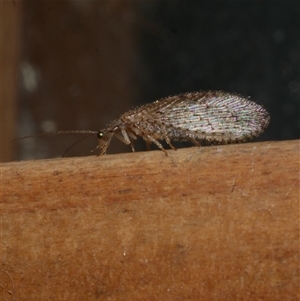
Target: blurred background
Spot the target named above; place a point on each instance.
(76, 65)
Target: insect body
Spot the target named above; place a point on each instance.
(208, 116)
(211, 116)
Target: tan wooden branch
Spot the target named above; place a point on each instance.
(209, 223)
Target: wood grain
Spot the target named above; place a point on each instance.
(210, 223)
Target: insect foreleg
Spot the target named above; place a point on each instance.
(125, 138)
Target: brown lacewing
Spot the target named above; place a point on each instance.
(205, 116)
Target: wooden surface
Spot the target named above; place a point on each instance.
(210, 223)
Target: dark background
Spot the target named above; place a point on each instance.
(83, 63)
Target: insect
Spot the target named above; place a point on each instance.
(205, 116)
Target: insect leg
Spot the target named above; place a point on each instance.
(126, 139)
(195, 141)
(121, 138)
(137, 130)
(150, 138)
(167, 139)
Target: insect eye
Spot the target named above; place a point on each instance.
(100, 135)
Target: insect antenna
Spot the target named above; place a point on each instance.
(89, 134)
(84, 138)
(83, 132)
